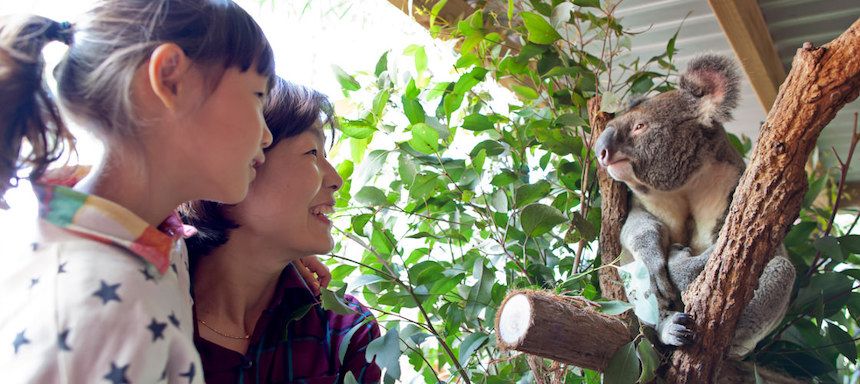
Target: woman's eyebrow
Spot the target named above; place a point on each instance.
(319, 135)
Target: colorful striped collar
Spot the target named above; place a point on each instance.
(107, 222)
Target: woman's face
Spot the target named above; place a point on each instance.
(289, 202)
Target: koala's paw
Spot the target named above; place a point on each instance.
(677, 330)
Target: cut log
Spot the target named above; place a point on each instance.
(571, 330)
(561, 328)
(768, 198)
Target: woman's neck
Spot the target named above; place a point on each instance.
(236, 282)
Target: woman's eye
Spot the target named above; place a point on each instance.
(313, 152)
(260, 95)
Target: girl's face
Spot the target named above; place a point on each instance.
(289, 202)
(227, 134)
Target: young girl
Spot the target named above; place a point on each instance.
(175, 90)
(256, 319)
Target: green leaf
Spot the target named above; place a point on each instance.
(413, 110)
(850, 244)
(434, 12)
(570, 120)
(424, 186)
(471, 344)
(537, 219)
(363, 280)
(359, 222)
(492, 147)
(425, 139)
(478, 160)
(382, 64)
(504, 178)
(349, 378)
(843, 342)
(420, 55)
(347, 82)
(371, 196)
(369, 167)
(587, 3)
(530, 193)
(467, 61)
(829, 246)
(560, 71)
(359, 129)
(380, 101)
(650, 360)
(585, 228)
(557, 141)
(614, 307)
(539, 30)
(477, 122)
(525, 92)
(386, 350)
(480, 293)
(331, 302)
(623, 367)
(344, 343)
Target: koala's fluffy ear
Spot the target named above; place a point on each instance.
(713, 80)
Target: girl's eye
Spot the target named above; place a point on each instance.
(260, 95)
(313, 152)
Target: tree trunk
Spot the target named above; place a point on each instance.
(767, 199)
(614, 209)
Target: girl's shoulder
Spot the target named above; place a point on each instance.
(84, 303)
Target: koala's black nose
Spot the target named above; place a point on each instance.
(604, 146)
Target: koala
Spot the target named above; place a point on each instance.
(673, 153)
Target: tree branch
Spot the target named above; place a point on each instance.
(768, 198)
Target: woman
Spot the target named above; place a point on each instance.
(257, 321)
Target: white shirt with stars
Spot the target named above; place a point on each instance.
(75, 310)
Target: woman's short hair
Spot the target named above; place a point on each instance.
(290, 110)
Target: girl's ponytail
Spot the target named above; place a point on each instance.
(32, 132)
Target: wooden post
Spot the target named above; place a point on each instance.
(768, 198)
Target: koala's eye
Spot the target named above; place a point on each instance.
(638, 127)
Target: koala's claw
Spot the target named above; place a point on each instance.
(675, 330)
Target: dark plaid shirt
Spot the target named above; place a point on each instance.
(288, 347)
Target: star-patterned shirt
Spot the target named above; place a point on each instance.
(100, 297)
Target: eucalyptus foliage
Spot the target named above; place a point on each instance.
(455, 199)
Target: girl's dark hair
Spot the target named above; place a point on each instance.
(94, 78)
(289, 111)
(27, 110)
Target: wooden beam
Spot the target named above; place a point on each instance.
(744, 26)
(420, 10)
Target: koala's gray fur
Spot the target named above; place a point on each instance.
(672, 151)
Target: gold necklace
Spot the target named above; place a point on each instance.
(246, 337)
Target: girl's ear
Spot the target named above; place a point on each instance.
(168, 67)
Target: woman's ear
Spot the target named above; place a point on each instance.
(168, 69)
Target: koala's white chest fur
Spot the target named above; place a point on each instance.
(692, 212)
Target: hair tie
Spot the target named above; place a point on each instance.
(60, 31)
